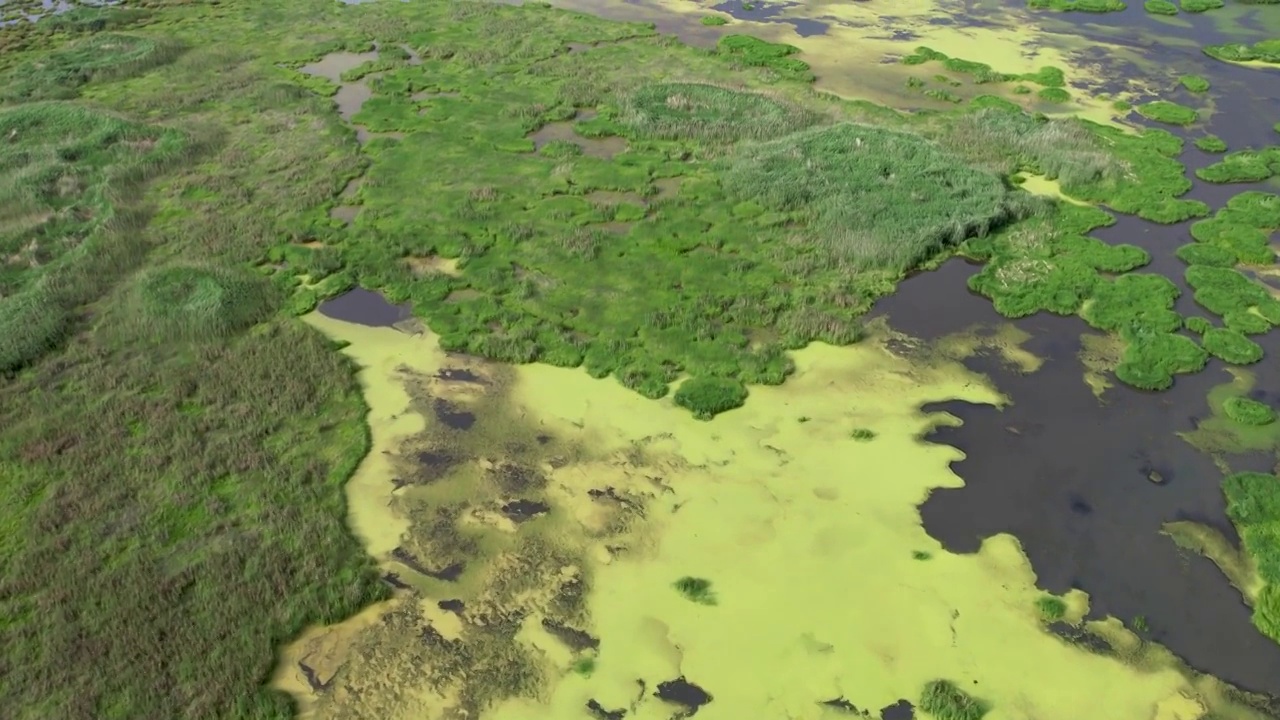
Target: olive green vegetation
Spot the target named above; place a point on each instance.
(1211, 144)
(862, 434)
(1051, 607)
(696, 590)
(1091, 6)
(1253, 504)
(1197, 324)
(982, 73)
(584, 666)
(1243, 166)
(1168, 112)
(98, 57)
(1054, 95)
(1199, 6)
(1160, 7)
(943, 700)
(1248, 412)
(197, 303)
(707, 397)
(714, 20)
(1264, 51)
(1194, 83)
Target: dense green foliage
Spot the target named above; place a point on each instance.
(1243, 227)
(1194, 83)
(198, 303)
(1243, 166)
(707, 397)
(943, 700)
(674, 111)
(1199, 6)
(1265, 51)
(1211, 144)
(1253, 504)
(1168, 112)
(696, 590)
(1248, 412)
(1090, 6)
(99, 56)
(1160, 7)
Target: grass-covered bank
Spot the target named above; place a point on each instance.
(171, 484)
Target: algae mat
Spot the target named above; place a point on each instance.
(800, 509)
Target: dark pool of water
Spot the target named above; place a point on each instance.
(364, 307)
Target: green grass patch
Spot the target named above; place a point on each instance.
(1194, 83)
(714, 20)
(1243, 227)
(1160, 7)
(862, 434)
(192, 302)
(943, 700)
(707, 397)
(1211, 144)
(754, 52)
(1263, 51)
(1232, 346)
(1248, 412)
(1243, 166)
(1199, 6)
(1206, 254)
(673, 111)
(1088, 6)
(1051, 608)
(1054, 95)
(99, 57)
(696, 589)
(982, 73)
(1253, 504)
(1170, 113)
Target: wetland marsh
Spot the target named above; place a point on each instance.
(443, 359)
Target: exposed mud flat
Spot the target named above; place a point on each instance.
(536, 549)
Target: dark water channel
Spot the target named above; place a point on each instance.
(1068, 475)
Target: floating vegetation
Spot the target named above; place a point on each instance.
(1194, 83)
(1089, 6)
(696, 590)
(1211, 144)
(755, 52)
(714, 20)
(1170, 113)
(1054, 95)
(943, 700)
(862, 434)
(1248, 412)
(982, 73)
(1231, 346)
(1243, 227)
(1243, 166)
(1253, 504)
(1160, 7)
(1199, 6)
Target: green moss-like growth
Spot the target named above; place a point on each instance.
(1222, 291)
(1160, 7)
(833, 178)
(1248, 412)
(200, 302)
(1199, 6)
(1089, 6)
(1243, 166)
(1051, 607)
(862, 434)
(1194, 83)
(1265, 51)
(670, 111)
(943, 700)
(696, 590)
(1197, 324)
(1206, 254)
(1054, 95)
(103, 56)
(982, 73)
(714, 20)
(1151, 361)
(1232, 346)
(755, 52)
(1253, 504)
(1211, 144)
(707, 397)
(1167, 112)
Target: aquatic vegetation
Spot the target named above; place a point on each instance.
(1243, 227)
(714, 20)
(1223, 290)
(1243, 166)
(1197, 324)
(1264, 51)
(1231, 346)
(943, 700)
(1168, 112)
(982, 73)
(1211, 144)
(1054, 95)
(1090, 6)
(863, 434)
(1199, 6)
(584, 666)
(1253, 504)
(1151, 360)
(1248, 412)
(1051, 607)
(1194, 83)
(199, 302)
(98, 57)
(1207, 254)
(707, 397)
(754, 52)
(1160, 7)
(696, 590)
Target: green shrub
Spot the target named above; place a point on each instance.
(710, 396)
(1232, 346)
(1248, 412)
(1051, 607)
(944, 701)
(696, 590)
(1206, 254)
(1151, 360)
(1247, 322)
(1054, 95)
(1198, 325)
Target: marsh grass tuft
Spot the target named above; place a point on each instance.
(945, 701)
(192, 302)
(707, 397)
(1170, 113)
(670, 111)
(1051, 607)
(696, 590)
(1248, 412)
(862, 434)
(98, 57)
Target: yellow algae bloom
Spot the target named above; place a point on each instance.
(810, 587)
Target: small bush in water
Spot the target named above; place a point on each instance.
(1248, 412)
